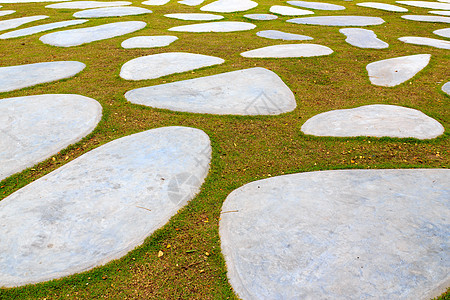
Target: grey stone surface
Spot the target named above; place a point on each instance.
(427, 4)
(341, 234)
(162, 64)
(101, 205)
(194, 16)
(289, 11)
(446, 88)
(191, 2)
(111, 12)
(40, 28)
(316, 5)
(383, 6)
(426, 42)
(280, 35)
(261, 17)
(445, 32)
(425, 18)
(288, 50)
(363, 38)
(148, 41)
(18, 77)
(6, 12)
(229, 6)
(394, 71)
(30, 1)
(76, 37)
(255, 91)
(87, 4)
(13, 23)
(155, 2)
(440, 12)
(33, 128)
(221, 26)
(339, 21)
(374, 120)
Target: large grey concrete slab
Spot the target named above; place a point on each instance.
(229, 6)
(148, 41)
(374, 120)
(221, 26)
(76, 37)
(316, 5)
(194, 16)
(427, 4)
(446, 88)
(162, 64)
(101, 205)
(13, 23)
(104, 12)
(255, 91)
(289, 11)
(280, 35)
(40, 28)
(288, 50)
(415, 40)
(445, 32)
(338, 21)
(261, 17)
(383, 6)
(363, 38)
(191, 2)
(394, 71)
(18, 77)
(6, 12)
(426, 18)
(341, 234)
(33, 128)
(87, 4)
(155, 2)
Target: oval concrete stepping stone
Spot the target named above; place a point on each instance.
(374, 120)
(148, 41)
(162, 64)
(288, 50)
(13, 23)
(35, 127)
(87, 4)
(104, 12)
(427, 4)
(194, 16)
(221, 26)
(382, 6)
(446, 88)
(316, 5)
(191, 2)
(426, 42)
(443, 32)
(440, 12)
(229, 6)
(101, 205)
(155, 2)
(76, 37)
(289, 11)
(363, 38)
(339, 21)
(341, 234)
(280, 35)
(394, 71)
(40, 28)
(255, 91)
(261, 17)
(18, 77)
(6, 12)
(425, 18)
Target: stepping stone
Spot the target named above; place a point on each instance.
(30, 1)
(288, 50)
(194, 16)
(221, 26)
(427, 4)
(33, 128)
(341, 234)
(394, 71)
(280, 35)
(229, 6)
(87, 4)
(426, 42)
(443, 32)
(338, 21)
(440, 12)
(13, 23)
(162, 64)
(363, 38)
(148, 41)
(261, 17)
(289, 11)
(76, 37)
(374, 120)
(101, 205)
(18, 77)
(446, 88)
(425, 18)
(155, 2)
(382, 6)
(316, 5)
(40, 28)
(6, 12)
(255, 91)
(104, 12)
(191, 2)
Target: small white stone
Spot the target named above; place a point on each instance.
(40, 28)
(440, 12)
(229, 6)
(6, 12)
(427, 4)
(425, 18)
(446, 88)
(443, 32)
(383, 6)
(363, 38)
(280, 35)
(261, 17)
(148, 41)
(426, 42)
(316, 5)
(221, 26)
(339, 21)
(288, 50)
(87, 4)
(13, 23)
(155, 2)
(105, 12)
(194, 16)
(289, 11)
(191, 2)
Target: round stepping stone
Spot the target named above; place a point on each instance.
(255, 91)
(280, 35)
(289, 11)
(104, 12)
(374, 120)
(13, 23)
(18, 77)
(443, 32)
(148, 41)
(87, 4)
(382, 6)
(341, 234)
(394, 71)
(339, 21)
(221, 26)
(155, 2)
(316, 5)
(426, 42)
(288, 50)
(6, 12)
(446, 88)
(440, 12)
(162, 64)
(425, 18)
(40, 28)
(261, 17)
(194, 16)
(76, 37)
(35, 127)
(101, 205)
(427, 4)
(191, 2)
(229, 6)
(363, 38)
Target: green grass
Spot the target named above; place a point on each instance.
(244, 148)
